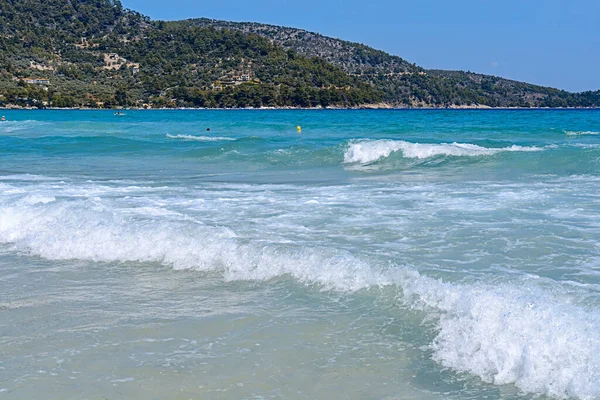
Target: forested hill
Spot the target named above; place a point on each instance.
(406, 84)
(96, 53)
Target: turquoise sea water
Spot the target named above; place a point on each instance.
(377, 255)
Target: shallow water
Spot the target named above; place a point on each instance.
(377, 255)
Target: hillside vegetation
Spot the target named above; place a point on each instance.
(96, 53)
(405, 84)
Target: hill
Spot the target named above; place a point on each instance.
(405, 84)
(96, 53)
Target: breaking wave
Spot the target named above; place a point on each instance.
(581, 133)
(543, 341)
(368, 151)
(514, 333)
(93, 231)
(200, 138)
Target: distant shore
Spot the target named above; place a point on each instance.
(379, 106)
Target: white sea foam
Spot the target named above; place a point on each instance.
(17, 304)
(200, 138)
(90, 230)
(367, 151)
(27, 177)
(514, 334)
(35, 199)
(586, 145)
(506, 333)
(581, 133)
(13, 126)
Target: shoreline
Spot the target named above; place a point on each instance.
(358, 108)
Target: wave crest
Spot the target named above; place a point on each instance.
(516, 333)
(581, 133)
(368, 151)
(93, 231)
(200, 138)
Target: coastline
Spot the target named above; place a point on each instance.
(380, 106)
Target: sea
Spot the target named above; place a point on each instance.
(376, 254)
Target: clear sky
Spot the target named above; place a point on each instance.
(547, 42)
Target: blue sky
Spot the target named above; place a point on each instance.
(547, 42)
